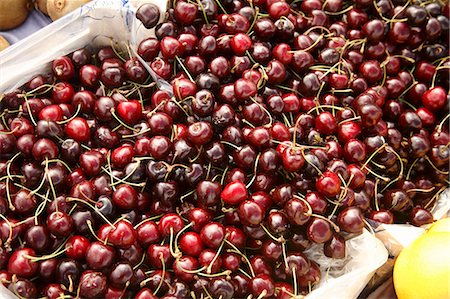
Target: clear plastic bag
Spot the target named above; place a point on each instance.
(99, 23)
(346, 278)
(102, 22)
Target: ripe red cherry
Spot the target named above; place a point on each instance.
(76, 247)
(435, 98)
(92, 284)
(123, 235)
(191, 244)
(326, 123)
(234, 193)
(292, 159)
(351, 220)
(250, 213)
(78, 129)
(354, 151)
(158, 254)
(262, 286)
(90, 75)
(319, 231)
(182, 264)
(130, 111)
(100, 256)
(348, 130)
(200, 132)
(279, 9)
(62, 92)
(63, 68)
(122, 155)
(60, 224)
(212, 234)
(20, 263)
(170, 224)
(171, 47)
(328, 184)
(244, 89)
(125, 197)
(240, 43)
(185, 12)
(51, 113)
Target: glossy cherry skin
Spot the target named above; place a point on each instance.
(92, 284)
(351, 220)
(212, 234)
(100, 256)
(185, 262)
(130, 111)
(20, 263)
(262, 285)
(191, 244)
(435, 98)
(78, 129)
(234, 193)
(328, 184)
(60, 224)
(319, 230)
(125, 197)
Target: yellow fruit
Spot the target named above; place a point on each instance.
(422, 270)
(442, 226)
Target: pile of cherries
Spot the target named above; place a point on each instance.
(289, 123)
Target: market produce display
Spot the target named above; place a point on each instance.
(286, 124)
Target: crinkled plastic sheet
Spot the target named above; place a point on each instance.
(99, 23)
(346, 278)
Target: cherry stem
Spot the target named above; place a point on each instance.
(294, 278)
(433, 199)
(197, 156)
(336, 228)
(326, 106)
(439, 127)
(60, 250)
(32, 92)
(434, 166)
(312, 164)
(279, 240)
(186, 227)
(265, 110)
(224, 273)
(339, 12)
(93, 208)
(377, 207)
(209, 268)
(316, 27)
(255, 167)
(113, 113)
(400, 174)
(221, 7)
(184, 68)
(373, 155)
(263, 294)
(113, 47)
(243, 256)
(72, 117)
(421, 190)
(310, 211)
(369, 227)
(119, 180)
(411, 168)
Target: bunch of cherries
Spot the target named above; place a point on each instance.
(288, 123)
